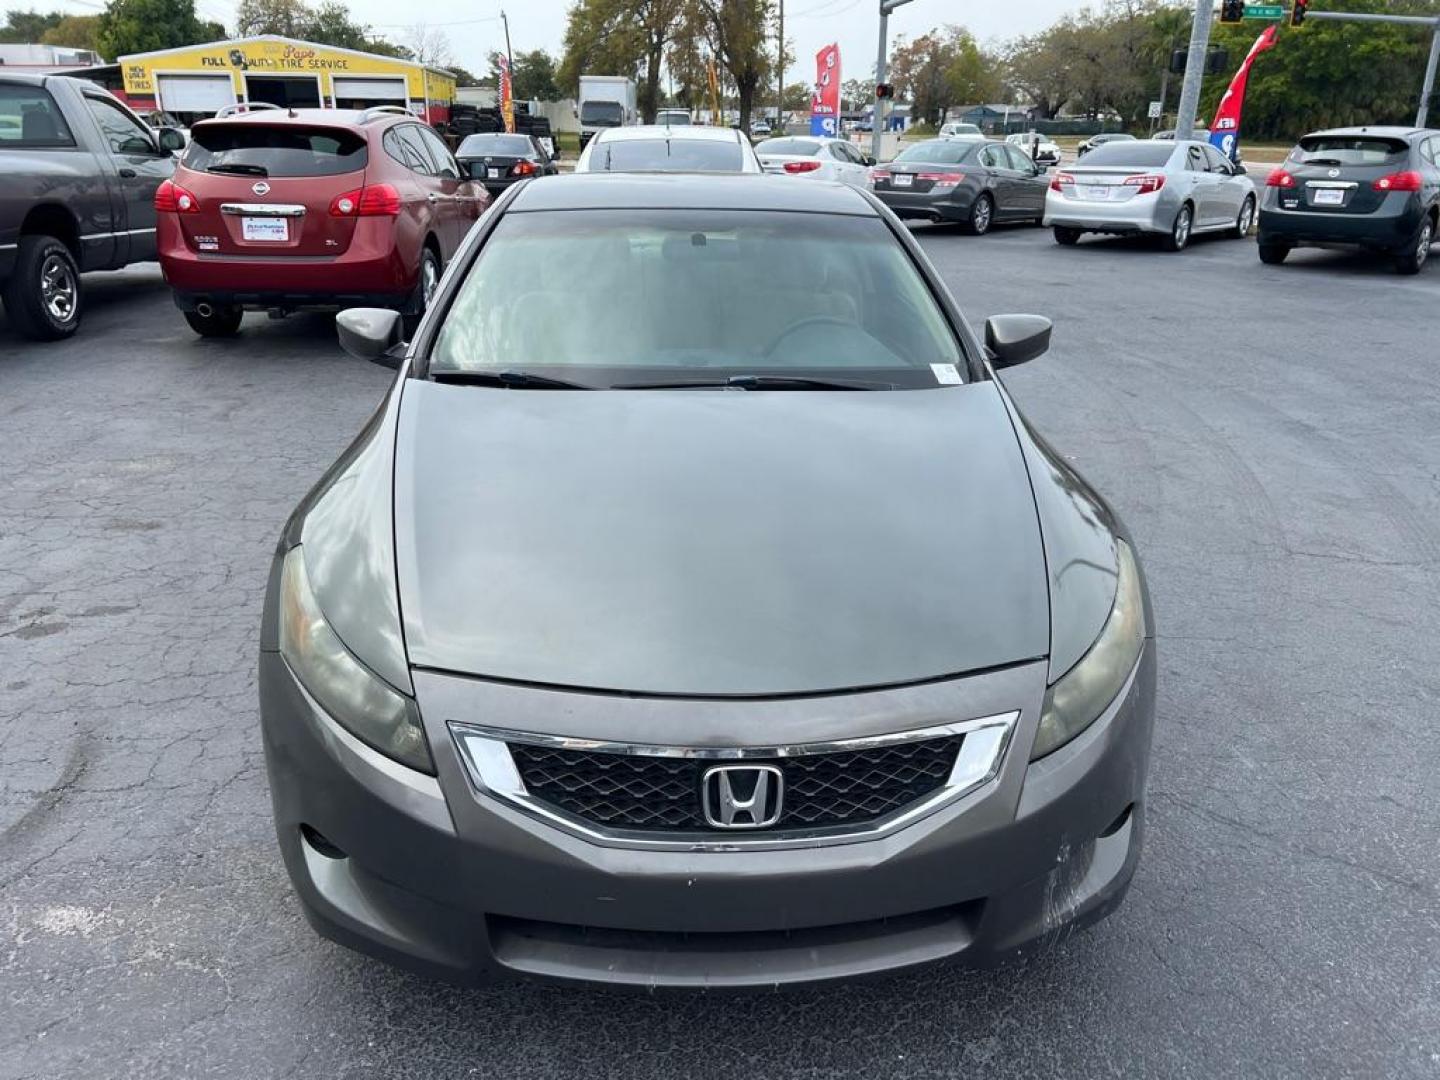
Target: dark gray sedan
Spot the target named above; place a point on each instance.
(675, 622)
(498, 160)
(975, 182)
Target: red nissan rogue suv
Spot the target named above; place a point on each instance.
(278, 210)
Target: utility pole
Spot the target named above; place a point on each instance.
(878, 120)
(780, 90)
(1194, 69)
(509, 57)
(1427, 87)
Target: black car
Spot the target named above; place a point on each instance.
(976, 182)
(1101, 139)
(498, 160)
(1368, 187)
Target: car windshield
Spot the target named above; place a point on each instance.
(1348, 150)
(1130, 155)
(275, 151)
(602, 113)
(937, 151)
(667, 155)
(603, 297)
(512, 145)
(789, 147)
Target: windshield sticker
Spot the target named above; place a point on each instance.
(946, 374)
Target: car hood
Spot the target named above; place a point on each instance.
(697, 542)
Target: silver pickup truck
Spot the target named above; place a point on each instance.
(78, 173)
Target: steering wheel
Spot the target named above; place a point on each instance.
(806, 324)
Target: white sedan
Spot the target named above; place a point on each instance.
(1172, 189)
(656, 148)
(817, 157)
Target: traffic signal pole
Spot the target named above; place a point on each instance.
(1194, 69)
(877, 121)
(1422, 113)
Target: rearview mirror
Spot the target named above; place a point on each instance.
(1013, 339)
(371, 334)
(170, 140)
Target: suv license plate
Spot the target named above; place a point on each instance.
(264, 228)
(1329, 197)
(901, 179)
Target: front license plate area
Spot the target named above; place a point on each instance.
(265, 229)
(903, 180)
(1328, 197)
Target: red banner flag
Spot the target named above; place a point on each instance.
(507, 101)
(1225, 131)
(825, 102)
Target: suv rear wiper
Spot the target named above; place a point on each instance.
(1321, 161)
(761, 382)
(514, 380)
(238, 168)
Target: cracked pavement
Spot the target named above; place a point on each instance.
(1270, 436)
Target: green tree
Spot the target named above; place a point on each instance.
(27, 27)
(74, 32)
(135, 26)
(287, 18)
(940, 69)
(620, 37)
(737, 33)
(533, 77)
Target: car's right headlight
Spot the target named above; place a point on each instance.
(1077, 698)
(349, 692)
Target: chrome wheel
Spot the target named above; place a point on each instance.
(429, 278)
(1247, 218)
(1180, 232)
(1422, 248)
(981, 217)
(57, 288)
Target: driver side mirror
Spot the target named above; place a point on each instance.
(170, 140)
(870, 160)
(371, 334)
(467, 171)
(1013, 339)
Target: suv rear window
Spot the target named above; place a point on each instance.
(1130, 155)
(278, 151)
(30, 119)
(1348, 150)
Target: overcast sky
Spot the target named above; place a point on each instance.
(473, 26)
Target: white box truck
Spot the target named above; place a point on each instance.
(605, 101)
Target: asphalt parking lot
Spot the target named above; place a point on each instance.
(1270, 435)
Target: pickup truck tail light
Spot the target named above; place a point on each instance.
(171, 198)
(373, 200)
(1409, 180)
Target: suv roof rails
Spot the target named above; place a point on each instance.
(243, 107)
(375, 112)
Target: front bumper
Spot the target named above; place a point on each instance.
(1140, 214)
(1393, 225)
(432, 874)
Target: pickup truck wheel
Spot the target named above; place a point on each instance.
(221, 322)
(42, 296)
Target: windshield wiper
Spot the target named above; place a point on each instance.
(513, 380)
(238, 168)
(761, 382)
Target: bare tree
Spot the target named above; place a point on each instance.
(429, 45)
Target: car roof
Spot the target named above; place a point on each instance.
(691, 191)
(1386, 131)
(669, 131)
(352, 118)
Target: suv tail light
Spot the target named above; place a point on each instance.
(171, 198)
(1059, 179)
(373, 200)
(1145, 185)
(524, 168)
(801, 166)
(1409, 180)
(1279, 178)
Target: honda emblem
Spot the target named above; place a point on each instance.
(742, 796)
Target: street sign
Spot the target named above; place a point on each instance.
(1155, 107)
(1264, 11)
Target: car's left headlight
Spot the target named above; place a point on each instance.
(355, 697)
(1077, 698)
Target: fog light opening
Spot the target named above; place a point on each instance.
(317, 840)
(1118, 824)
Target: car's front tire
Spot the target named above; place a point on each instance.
(43, 295)
(221, 322)
(1066, 236)
(1414, 255)
(1179, 235)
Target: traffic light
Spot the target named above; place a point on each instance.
(1177, 61)
(884, 90)
(1232, 10)
(1217, 61)
(1297, 13)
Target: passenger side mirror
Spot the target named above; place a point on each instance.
(870, 160)
(1013, 339)
(371, 334)
(170, 140)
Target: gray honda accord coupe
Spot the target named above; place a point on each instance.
(697, 610)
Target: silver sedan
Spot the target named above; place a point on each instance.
(1172, 189)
